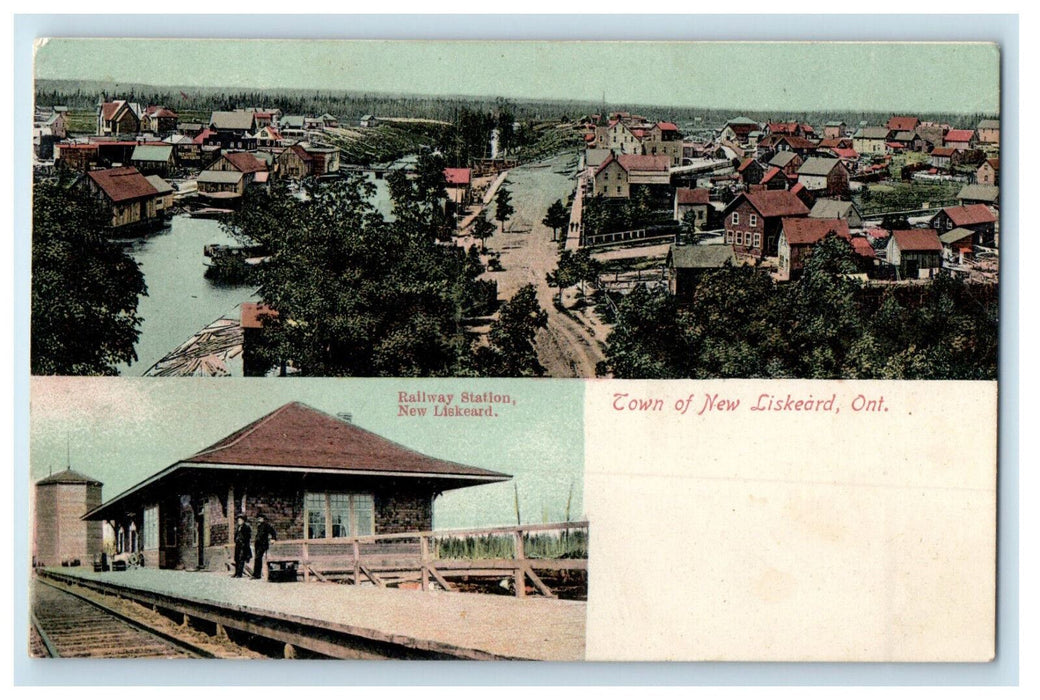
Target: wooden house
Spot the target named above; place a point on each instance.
(989, 172)
(798, 236)
(295, 163)
(313, 476)
(753, 220)
(692, 200)
(915, 253)
(686, 264)
(751, 172)
(957, 244)
(837, 209)
(159, 120)
(988, 131)
(975, 217)
(824, 176)
(979, 194)
(870, 140)
(118, 117)
(618, 174)
(960, 139)
(127, 194)
(237, 122)
(834, 130)
(902, 124)
(164, 194)
(153, 159)
(457, 182)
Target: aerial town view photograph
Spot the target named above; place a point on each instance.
(207, 208)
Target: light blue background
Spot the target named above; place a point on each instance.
(999, 28)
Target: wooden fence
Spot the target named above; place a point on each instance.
(420, 559)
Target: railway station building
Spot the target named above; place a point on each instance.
(314, 476)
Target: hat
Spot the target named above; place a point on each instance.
(241, 516)
(261, 516)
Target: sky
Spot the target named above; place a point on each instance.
(924, 77)
(122, 430)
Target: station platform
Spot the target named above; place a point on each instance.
(380, 622)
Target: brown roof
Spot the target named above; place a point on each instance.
(122, 184)
(943, 152)
(299, 436)
(959, 135)
(803, 231)
(903, 123)
(253, 314)
(631, 161)
(109, 109)
(68, 476)
(457, 176)
(776, 203)
(245, 162)
(687, 195)
(970, 215)
(922, 239)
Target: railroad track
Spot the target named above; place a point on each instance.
(70, 624)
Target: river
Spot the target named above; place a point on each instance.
(181, 301)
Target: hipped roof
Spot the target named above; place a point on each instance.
(299, 439)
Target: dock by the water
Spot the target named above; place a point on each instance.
(344, 621)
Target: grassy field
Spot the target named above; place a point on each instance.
(903, 196)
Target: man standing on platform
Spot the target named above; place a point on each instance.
(265, 534)
(243, 534)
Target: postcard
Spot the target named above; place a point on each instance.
(303, 320)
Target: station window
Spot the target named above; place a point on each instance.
(753, 220)
(736, 218)
(729, 236)
(338, 515)
(150, 533)
(758, 240)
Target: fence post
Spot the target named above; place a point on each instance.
(518, 572)
(307, 565)
(424, 555)
(356, 549)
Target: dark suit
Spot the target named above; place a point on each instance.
(243, 533)
(264, 534)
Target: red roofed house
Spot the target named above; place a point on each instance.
(619, 173)
(129, 196)
(458, 185)
(989, 172)
(974, 217)
(117, 117)
(238, 161)
(295, 162)
(942, 157)
(902, 124)
(751, 172)
(797, 238)
(159, 120)
(252, 318)
(753, 220)
(663, 138)
(312, 475)
(960, 139)
(915, 253)
(692, 200)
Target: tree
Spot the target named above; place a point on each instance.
(644, 343)
(357, 295)
(556, 217)
(85, 289)
(418, 201)
(564, 275)
(483, 229)
(511, 351)
(586, 268)
(503, 208)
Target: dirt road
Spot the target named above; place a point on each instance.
(568, 347)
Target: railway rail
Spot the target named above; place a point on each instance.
(68, 623)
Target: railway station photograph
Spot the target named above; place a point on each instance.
(307, 519)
